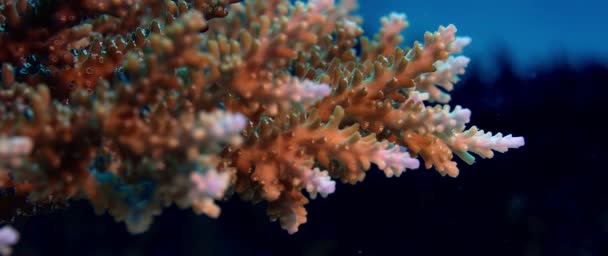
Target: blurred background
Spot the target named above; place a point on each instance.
(539, 69)
(533, 31)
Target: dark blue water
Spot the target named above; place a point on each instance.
(533, 30)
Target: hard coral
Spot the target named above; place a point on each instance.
(135, 105)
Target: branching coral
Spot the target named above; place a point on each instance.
(136, 105)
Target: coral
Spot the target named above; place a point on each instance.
(136, 105)
(8, 237)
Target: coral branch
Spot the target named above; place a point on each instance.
(135, 105)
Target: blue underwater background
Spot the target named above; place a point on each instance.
(539, 69)
(533, 31)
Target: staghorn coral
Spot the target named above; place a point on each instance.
(136, 105)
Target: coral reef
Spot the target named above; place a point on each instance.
(136, 105)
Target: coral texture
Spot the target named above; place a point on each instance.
(136, 105)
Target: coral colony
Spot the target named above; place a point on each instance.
(135, 105)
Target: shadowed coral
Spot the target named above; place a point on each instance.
(136, 105)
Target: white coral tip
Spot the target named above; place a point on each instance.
(394, 161)
(459, 44)
(15, 146)
(307, 91)
(211, 183)
(317, 181)
(8, 236)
